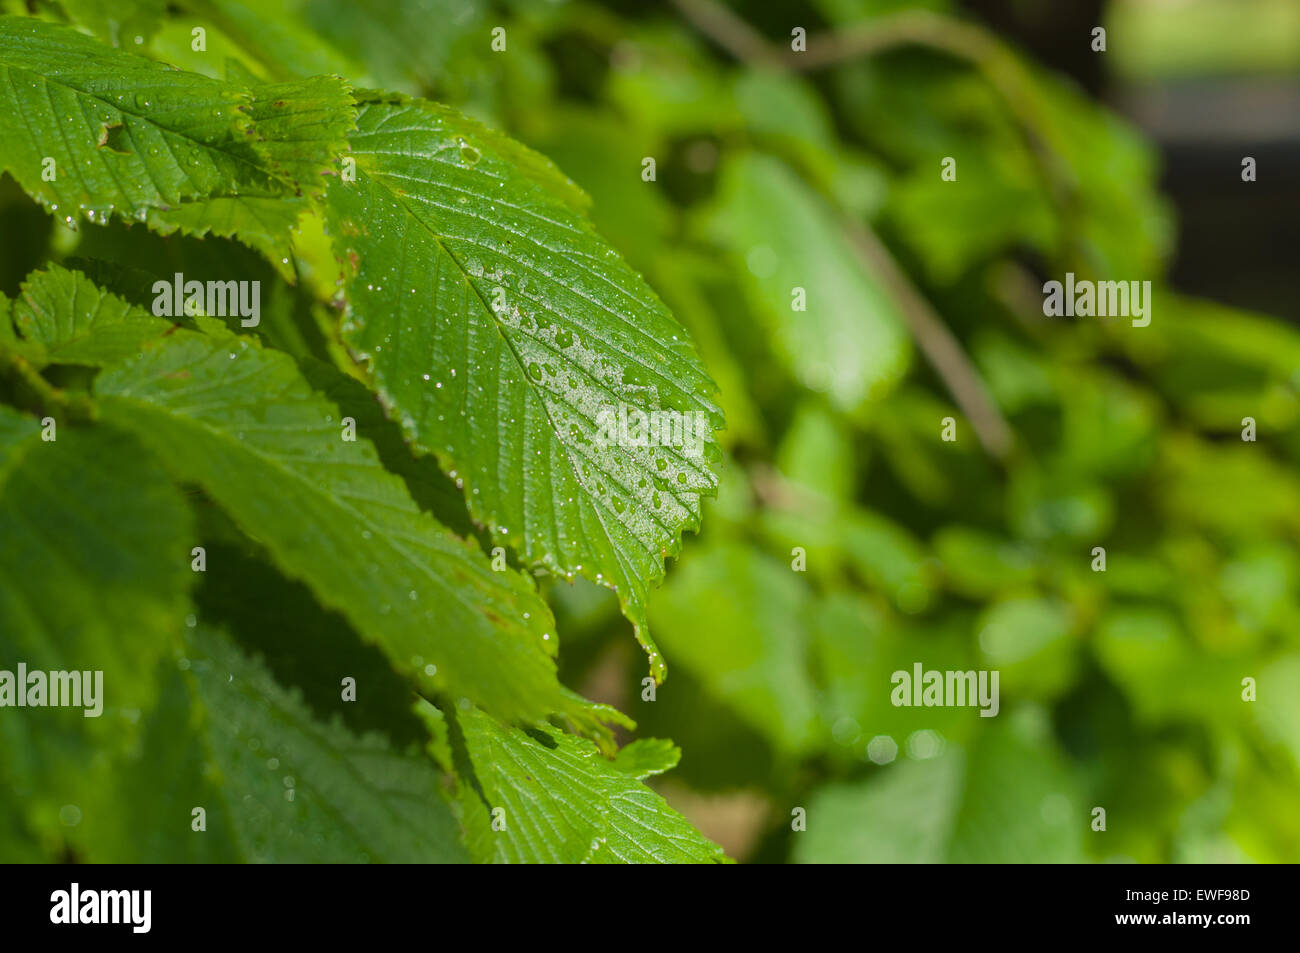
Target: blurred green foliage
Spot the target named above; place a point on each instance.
(1120, 689)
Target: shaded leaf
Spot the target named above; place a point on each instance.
(243, 423)
(277, 784)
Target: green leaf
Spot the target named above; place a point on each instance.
(1146, 651)
(647, 756)
(243, 424)
(300, 132)
(130, 261)
(95, 562)
(903, 816)
(139, 139)
(1109, 426)
(817, 453)
(1233, 491)
(994, 204)
(835, 534)
(72, 321)
(783, 105)
(888, 556)
(302, 127)
(477, 294)
(333, 796)
(1006, 799)
(277, 783)
(10, 343)
(1125, 225)
(850, 343)
(561, 802)
(274, 33)
(126, 134)
(980, 564)
(1277, 708)
(94, 568)
(1030, 640)
(857, 649)
(124, 23)
(763, 676)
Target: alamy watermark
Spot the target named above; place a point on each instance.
(626, 426)
(131, 907)
(218, 299)
(1102, 299)
(936, 689)
(58, 689)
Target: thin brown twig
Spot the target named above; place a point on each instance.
(776, 491)
(730, 32)
(936, 342)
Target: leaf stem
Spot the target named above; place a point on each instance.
(49, 397)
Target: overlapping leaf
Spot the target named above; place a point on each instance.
(552, 798)
(64, 318)
(98, 132)
(518, 327)
(245, 425)
(298, 130)
(498, 327)
(126, 134)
